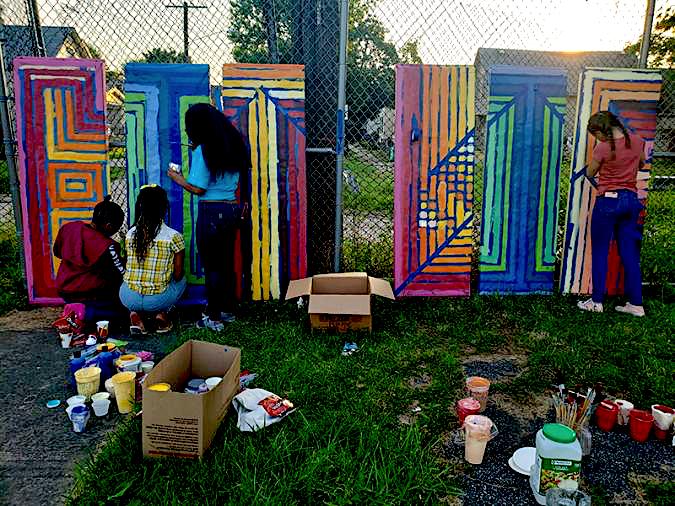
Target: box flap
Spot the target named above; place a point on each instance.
(340, 283)
(339, 304)
(381, 287)
(298, 288)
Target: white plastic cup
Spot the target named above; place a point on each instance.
(66, 338)
(101, 407)
(625, 408)
(110, 388)
(100, 396)
(69, 410)
(75, 400)
(213, 382)
(102, 328)
(79, 418)
(146, 367)
(175, 167)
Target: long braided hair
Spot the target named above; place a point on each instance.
(151, 207)
(604, 122)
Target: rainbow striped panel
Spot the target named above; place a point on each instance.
(433, 180)
(525, 126)
(267, 104)
(61, 134)
(156, 97)
(633, 96)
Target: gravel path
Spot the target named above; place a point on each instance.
(39, 446)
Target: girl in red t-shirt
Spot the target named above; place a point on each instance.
(616, 159)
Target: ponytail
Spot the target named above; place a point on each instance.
(604, 122)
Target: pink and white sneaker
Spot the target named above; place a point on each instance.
(589, 305)
(631, 309)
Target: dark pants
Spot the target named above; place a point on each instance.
(217, 224)
(618, 218)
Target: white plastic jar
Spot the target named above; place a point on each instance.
(558, 460)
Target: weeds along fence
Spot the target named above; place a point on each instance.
(381, 33)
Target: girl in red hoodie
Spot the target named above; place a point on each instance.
(91, 269)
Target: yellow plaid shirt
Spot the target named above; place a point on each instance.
(153, 275)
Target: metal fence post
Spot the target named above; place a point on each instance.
(340, 129)
(34, 21)
(646, 34)
(8, 141)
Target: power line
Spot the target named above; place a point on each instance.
(186, 8)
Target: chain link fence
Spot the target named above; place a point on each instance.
(382, 33)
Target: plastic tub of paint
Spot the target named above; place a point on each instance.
(100, 396)
(88, 381)
(160, 387)
(75, 400)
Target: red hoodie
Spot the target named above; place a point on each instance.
(90, 268)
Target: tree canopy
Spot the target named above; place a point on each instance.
(661, 42)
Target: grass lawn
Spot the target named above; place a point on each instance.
(345, 443)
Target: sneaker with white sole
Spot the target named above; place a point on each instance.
(589, 305)
(631, 309)
(208, 323)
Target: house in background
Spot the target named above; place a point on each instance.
(60, 42)
(573, 63)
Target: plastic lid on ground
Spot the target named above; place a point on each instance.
(559, 433)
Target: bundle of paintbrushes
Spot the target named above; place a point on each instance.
(572, 408)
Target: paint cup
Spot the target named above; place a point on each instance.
(478, 389)
(124, 383)
(624, 411)
(102, 328)
(88, 381)
(478, 431)
(101, 407)
(663, 420)
(466, 407)
(75, 400)
(66, 338)
(213, 382)
(160, 387)
(100, 396)
(130, 363)
(79, 415)
(109, 387)
(606, 415)
(146, 367)
(69, 410)
(174, 167)
(640, 425)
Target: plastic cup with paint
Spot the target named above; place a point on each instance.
(663, 420)
(101, 407)
(110, 388)
(79, 415)
(640, 425)
(213, 382)
(160, 387)
(66, 338)
(478, 431)
(175, 167)
(146, 367)
(124, 383)
(100, 396)
(75, 400)
(102, 328)
(624, 411)
(478, 389)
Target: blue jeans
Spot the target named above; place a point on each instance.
(217, 224)
(618, 218)
(134, 301)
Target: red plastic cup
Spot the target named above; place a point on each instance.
(466, 407)
(606, 415)
(660, 434)
(640, 425)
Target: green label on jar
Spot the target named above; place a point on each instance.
(554, 472)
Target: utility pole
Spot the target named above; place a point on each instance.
(186, 8)
(646, 34)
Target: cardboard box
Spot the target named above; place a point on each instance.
(340, 301)
(176, 424)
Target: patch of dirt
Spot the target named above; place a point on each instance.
(35, 319)
(421, 382)
(495, 367)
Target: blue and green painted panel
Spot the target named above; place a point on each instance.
(525, 125)
(156, 98)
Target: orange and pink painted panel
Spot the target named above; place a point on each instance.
(61, 135)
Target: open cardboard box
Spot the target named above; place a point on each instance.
(340, 301)
(183, 425)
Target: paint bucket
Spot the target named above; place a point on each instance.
(66, 338)
(606, 415)
(160, 387)
(129, 363)
(88, 381)
(101, 407)
(146, 367)
(478, 389)
(663, 420)
(79, 415)
(466, 407)
(478, 431)
(640, 425)
(624, 411)
(124, 383)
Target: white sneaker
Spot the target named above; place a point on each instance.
(589, 305)
(631, 309)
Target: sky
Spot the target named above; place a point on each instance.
(448, 31)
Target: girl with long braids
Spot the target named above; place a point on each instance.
(617, 157)
(154, 279)
(220, 165)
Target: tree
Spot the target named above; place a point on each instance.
(661, 42)
(159, 55)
